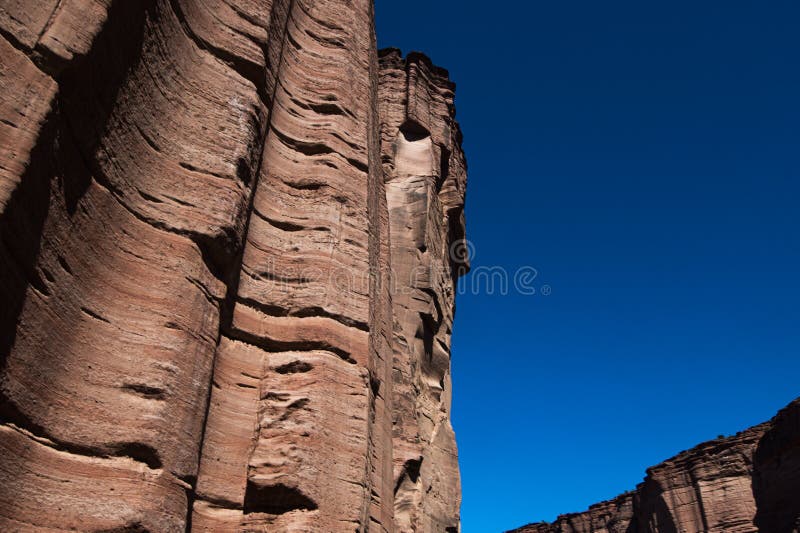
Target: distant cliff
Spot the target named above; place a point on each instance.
(230, 236)
(745, 483)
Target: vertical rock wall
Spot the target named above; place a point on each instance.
(776, 473)
(425, 179)
(225, 256)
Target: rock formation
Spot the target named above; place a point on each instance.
(745, 483)
(230, 235)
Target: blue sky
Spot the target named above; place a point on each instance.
(644, 157)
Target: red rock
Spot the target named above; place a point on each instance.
(745, 483)
(425, 178)
(200, 212)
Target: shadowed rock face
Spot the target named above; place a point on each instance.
(230, 237)
(745, 483)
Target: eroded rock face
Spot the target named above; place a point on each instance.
(745, 483)
(613, 516)
(229, 245)
(425, 177)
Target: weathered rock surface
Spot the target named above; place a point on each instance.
(425, 182)
(745, 483)
(230, 236)
(613, 516)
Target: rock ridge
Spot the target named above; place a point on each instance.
(747, 482)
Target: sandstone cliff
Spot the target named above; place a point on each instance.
(745, 483)
(230, 236)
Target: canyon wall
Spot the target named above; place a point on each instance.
(744, 483)
(230, 237)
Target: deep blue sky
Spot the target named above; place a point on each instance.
(645, 158)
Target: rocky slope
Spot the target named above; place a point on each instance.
(230, 236)
(747, 482)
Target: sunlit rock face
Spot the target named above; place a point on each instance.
(425, 179)
(745, 483)
(230, 238)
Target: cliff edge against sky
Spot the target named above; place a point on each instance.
(748, 482)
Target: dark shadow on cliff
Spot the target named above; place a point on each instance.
(60, 168)
(275, 499)
(88, 92)
(20, 236)
(776, 474)
(650, 510)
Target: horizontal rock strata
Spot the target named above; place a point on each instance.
(745, 483)
(225, 261)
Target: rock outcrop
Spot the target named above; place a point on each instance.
(230, 236)
(745, 483)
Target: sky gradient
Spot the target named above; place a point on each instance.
(644, 158)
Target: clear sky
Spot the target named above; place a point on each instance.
(644, 157)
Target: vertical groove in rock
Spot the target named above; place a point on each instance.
(260, 28)
(381, 505)
(196, 255)
(303, 451)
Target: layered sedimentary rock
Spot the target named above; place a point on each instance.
(230, 235)
(425, 180)
(613, 516)
(745, 483)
